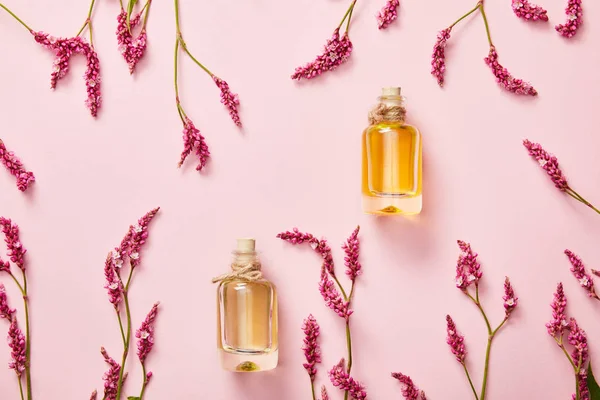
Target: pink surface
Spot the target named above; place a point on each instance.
(297, 163)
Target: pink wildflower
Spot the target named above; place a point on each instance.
(94, 395)
(578, 270)
(510, 300)
(351, 248)
(505, 79)
(584, 391)
(438, 59)
(16, 251)
(92, 81)
(336, 52)
(320, 246)
(15, 167)
(557, 326)
(113, 282)
(549, 163)
(111, 377)
(17, 344)
(192, 139)
(311, 349)
(388, 14)
(574, 19)
(149, 376)
(5, 310)
(455, 340)
(139, 234)
(340, 379)
(229, 99)
(333, 298)
(145, 334)
(578, 340)
(409, 391)
(131, 49)
(529, 12)
(468, 264)
(324, 395)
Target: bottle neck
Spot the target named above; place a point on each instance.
(389, 109)
(245, 257)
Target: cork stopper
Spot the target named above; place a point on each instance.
(246, 245)
(390, 91)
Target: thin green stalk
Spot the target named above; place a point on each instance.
(145, 382)
(128, 335)
(15, 17)
(346, 298)
(464, 16)
(312, 388)
(348, 12)
(18, 283)
(183, 44)
(486, 367)
(88, 19)
(485, 21)
(470, 381)
(349, 345)
(146, 12)
(487, 322)
(21, 387)
(121, 325)
(27, 339)
(350, 18)
(579, 198)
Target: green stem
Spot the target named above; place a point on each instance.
(27, 339)
(20, 387)
(349, 346)
(340, 287)
(183, 45)
(312, 388)
(15, 17)
(88, 22)
(562, 347)
(350, 18)
(348, 12)
(145, 381)
(485, 21)
(464, 16)
(121, 325)
(470, 381)
(146, 12)
(127, 337)
(486, 366)
(18, 283)
(579, 198)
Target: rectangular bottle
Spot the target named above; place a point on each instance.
(392, 160)
(247, 315)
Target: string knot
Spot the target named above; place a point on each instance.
(382, 112)
(247, 271)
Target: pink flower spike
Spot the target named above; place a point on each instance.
(311, 349)
(574, 19)
(438, 59)
(577, 338)
(510, 300)
(578, 270)
(388, 14)
(5, 310)
(16, 251)
(138, 235)
(557, 326)
(192, 139)
(229, 99)
(324, 395)
(145, 334)
(340, 379)
(505, 79)
(332, 297)
(529, 12)
(409, 390)
(352, 249)
(455, 340)
(337, 51)
(131, 49)
(18, 345)
(584, 392)
(113, 282)
(92, 81)
(94, 395)
(15, 167)
(468, 264)
(549, 163)
(111, 377)
(320, 246)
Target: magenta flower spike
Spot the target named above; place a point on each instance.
(145, 334)
(438, 59)
(574, 19)
(455, 341)
(510, 300)
(409, 390)
(15, 167)
(468, 264)
(113, 285)
(352, 249)
(577, 338)
(111, 377)
(549, 163)
(18, 346)
(559, 323)
(193, 140)
(320, 246)
(230, 100)
(94, 395)
(131, 49)
(579, 272)
(336, 52)
(138, 235)
(343, 381)
(324, 395)
(5, 311)
(311, 349)
(388, 14)
(505, 79)
(16, 251)
(529, 12)
(333, 298)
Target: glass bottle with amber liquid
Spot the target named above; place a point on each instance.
(246, 314)
(392, 159)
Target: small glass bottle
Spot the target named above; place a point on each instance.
(247, 317)
(392, 159)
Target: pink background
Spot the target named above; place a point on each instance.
(297, 163)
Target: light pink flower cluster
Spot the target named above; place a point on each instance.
(409, 390)
(16, 251)
(438, 59)
(5, 311)
(18, 345)
(111, 377)
(468, 269)
(505, 79)
(529, 12)
(574, 19)
(343, 381)
(311, 349)
(578, 270)
(192, 139)
(15, 167)
(352, 249)
(558, 324)
(145, 334)
(113, 285)
(549, 163)
(333, 298)
(510, 300)
(230, 100)
(63, 49)
(131, 49)
(388, 14)
(455, 340)
(337, 51)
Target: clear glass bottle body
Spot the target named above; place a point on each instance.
(247, 325)
(392, 169)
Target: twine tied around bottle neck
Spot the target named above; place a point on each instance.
(246, 271)
(386, 112)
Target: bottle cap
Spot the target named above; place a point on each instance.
(246, 245)
(390, 91)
